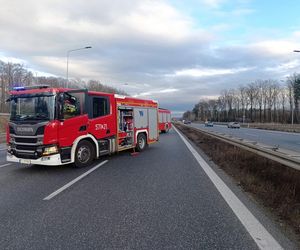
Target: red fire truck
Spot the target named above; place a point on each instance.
(164, 119)
(55, 126)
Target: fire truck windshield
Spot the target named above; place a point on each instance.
(32, 107)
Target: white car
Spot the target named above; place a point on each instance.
(209, 124)
(233, 125)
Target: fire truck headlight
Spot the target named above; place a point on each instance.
(50, 150)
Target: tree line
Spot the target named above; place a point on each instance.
(15, 74)
(261, 101)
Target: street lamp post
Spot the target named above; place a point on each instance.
(68, 53)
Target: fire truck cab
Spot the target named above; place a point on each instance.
(55, 126)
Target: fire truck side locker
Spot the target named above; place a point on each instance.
(134, 121)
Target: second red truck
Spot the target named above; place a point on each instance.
(164, 120)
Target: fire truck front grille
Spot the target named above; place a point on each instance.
(25, 155)
(26, 140)
(27, 151)
(25, 147)
(24, 144)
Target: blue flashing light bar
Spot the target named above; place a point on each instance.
(19, 88)
(30, 87)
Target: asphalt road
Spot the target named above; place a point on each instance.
(284, 140)
(160, 199)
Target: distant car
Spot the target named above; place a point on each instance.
(187, 122)
(233, 125)
(209, 124)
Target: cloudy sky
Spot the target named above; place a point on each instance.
(174, 51)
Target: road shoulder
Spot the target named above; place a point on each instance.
(284, 235)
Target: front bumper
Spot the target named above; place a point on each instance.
(51, 160)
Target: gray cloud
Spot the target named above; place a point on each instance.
(142, 43)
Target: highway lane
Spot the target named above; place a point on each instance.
(159, 199)
(3, 162)
(285, 140)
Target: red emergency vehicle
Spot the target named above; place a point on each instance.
(55, 126)
(164, 119)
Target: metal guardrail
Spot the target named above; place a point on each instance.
(286, 157)
(295, 128)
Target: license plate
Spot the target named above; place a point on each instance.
(25, 161)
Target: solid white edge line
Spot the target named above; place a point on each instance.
(258, 232)
(251, 134)
(2, 149)
(5, 165)
(50, 196)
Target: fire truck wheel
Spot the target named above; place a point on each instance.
(141, 142)
(84, 154)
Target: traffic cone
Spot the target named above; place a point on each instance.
(134, 153)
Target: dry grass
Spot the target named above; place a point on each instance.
(3, 123)
(276, 126)
(276, 186)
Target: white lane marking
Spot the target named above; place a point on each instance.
(280, 132)
(2, 149)
(251, 134)
(5, 165)
(258, 232)
(50, 196)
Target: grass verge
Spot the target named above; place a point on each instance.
(276, 126)
(3, 123)
(275, 186)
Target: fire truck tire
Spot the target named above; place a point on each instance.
(141, 142)
(84, 154)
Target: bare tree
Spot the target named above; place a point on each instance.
(283, 99)
(294, 95)
(297, 97)
(244, 100)
(261, 101)
(260, 96)
(212, 107)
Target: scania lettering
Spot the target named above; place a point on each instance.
(55, 126)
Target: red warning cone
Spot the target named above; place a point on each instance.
(134, 153)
